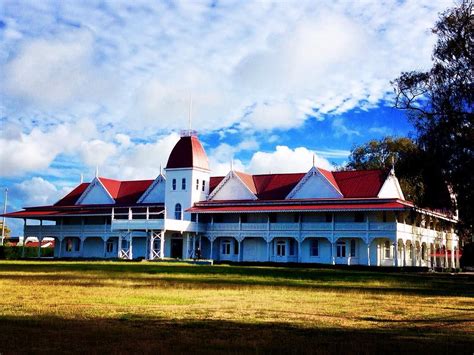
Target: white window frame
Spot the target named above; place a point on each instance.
(341, 249)
(226, 247)
(109, 246)
(281, 248)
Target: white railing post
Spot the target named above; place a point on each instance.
(113, 213)
(148, 213)
(130, 215)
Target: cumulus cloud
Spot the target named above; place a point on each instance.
(37, 192)
(36, 150)
(286, 160)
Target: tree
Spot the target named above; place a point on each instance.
(440, 103)
(420, 180)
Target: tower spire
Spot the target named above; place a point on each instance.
(97, 171)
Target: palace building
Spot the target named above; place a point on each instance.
(317, 216)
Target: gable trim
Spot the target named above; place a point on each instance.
(150, 188)
(91, 186)
(312, 172)
(390, 175)
(229, 176)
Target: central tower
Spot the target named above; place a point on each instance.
(187, 176)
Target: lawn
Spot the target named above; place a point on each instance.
(96, 307)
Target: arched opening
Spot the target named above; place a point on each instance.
(178, 213)
(386, 247)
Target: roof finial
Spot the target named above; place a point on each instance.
(314, 160)
(232, 164)
(161, 169)
(392, 171)
(82, 178)
(97, 171)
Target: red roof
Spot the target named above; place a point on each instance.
(393, 204)
(360, 183)
(352, 184)
(123, 192)
(188, 153)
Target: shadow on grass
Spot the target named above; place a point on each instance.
(169, 275)
(130, 334)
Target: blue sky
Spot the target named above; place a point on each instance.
(108, 84)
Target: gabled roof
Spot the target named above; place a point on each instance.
(188, 153)
(123, 192)
(351, 184)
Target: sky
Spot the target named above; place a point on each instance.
(86, 84)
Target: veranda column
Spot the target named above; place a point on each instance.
(458, 266)
(268, 250)
(414, 252)
(40, 240)
(368, 252)
(395, 253)
(187, 246)
(162, 245)
(119, 246)
(333, 253)
(212, 249)
(445, 257)
(60, 247)
(104, 240)
(299, 251)
(452, 259)
(404, 251)
(81, 246)
(150, 245)
(130, 250)
(239, 256)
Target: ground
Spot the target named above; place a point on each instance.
(97, 307)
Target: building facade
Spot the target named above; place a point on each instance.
(319, 216)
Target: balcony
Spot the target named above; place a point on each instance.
(67, 230)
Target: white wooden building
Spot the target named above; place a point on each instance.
(318, 216)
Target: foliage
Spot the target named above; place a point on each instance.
(156, 307)
(440, 102)
(419, 177)
(10, 252)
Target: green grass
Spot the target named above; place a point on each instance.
(171, 307)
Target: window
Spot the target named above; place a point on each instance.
(387, 249)
(183, 184)
(197, 184)
(341, 249)
(328, 217)
(236, 247)
(110, 246)
(226, 247)
(203, 185)
(358, 217)
(174, 185)
(177, 211)
(292, 247)
(193, 217)
(314, 248)
(353, 248)
(272, 217)
(281, 248)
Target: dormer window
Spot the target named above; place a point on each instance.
(183, 184)
(174, 185)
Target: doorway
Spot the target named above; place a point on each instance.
(177, 248)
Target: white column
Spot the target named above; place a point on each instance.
(212, 249)
(445, 257)
(299, 251)
(162, 245)
(187, 246)
(379, 257)
(268, 250)
(239, 256)
(81, 246)
(368, 252)
(395, 253)
(452, 259)
(150, 242)
(105, 246)
(40, 239)
(458, 266)
(130, 249)
(119, 246)
(60, 240)
(333, 253)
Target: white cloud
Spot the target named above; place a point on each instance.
(269, 116)
(36, 150)
(286, 160)
(96, 152)
(38, 192)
